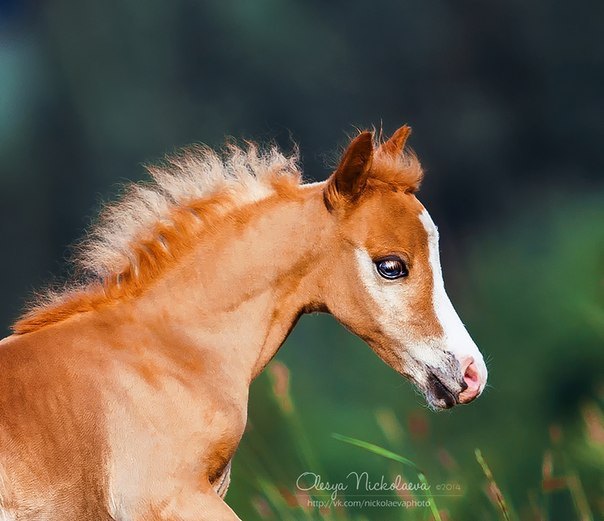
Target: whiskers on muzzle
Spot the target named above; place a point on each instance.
(440, 378)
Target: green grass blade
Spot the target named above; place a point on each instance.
(376, 449)
(385, 453)
(497, 491)
(579, 498)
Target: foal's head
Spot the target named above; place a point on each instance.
(385, 280)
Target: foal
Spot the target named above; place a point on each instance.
(124, 397)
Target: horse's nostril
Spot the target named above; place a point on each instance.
(471, 378)
(471, 374)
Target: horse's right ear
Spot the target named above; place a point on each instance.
(348, 181)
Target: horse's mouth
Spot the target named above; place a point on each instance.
(443, 387)
(438, 394)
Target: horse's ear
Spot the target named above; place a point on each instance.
(395, 145)
(348, 181)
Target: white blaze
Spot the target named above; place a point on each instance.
(456, 338)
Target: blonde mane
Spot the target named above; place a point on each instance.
(154, 223)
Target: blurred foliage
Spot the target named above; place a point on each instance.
(506, 103)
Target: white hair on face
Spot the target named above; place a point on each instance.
(393, 307)
(457, 340)
(388, 297)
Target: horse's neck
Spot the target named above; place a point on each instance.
(241, 291)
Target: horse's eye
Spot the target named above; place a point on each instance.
(391, 267)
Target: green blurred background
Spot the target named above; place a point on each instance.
(507, 106)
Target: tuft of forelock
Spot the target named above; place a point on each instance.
(402, 169)
(155, 222)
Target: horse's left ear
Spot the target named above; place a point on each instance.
(395, 145)
(348, 181)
